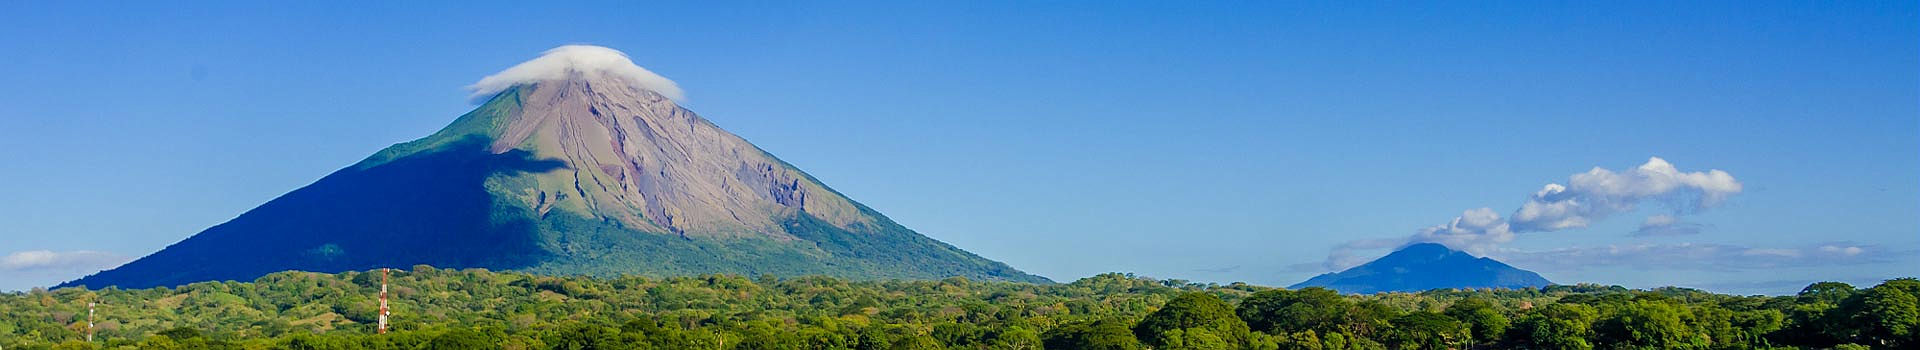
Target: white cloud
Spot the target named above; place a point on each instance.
(81, 260)
(1598, 193)
(1842, 250)
(1476, 231)
(563, 62)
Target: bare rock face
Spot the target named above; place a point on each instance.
(635, 156)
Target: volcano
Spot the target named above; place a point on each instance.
(1426, 266)
(577, 163)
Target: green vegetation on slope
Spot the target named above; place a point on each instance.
(476, 309)
(885, 250)
(483, 123)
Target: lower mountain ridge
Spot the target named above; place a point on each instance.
(1425, 266)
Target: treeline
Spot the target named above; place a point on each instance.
(476, 309)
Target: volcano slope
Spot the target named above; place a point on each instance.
(580, 170)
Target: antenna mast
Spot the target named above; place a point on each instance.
(383, 301)
(90, 306)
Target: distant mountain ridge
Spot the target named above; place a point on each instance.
(584, 172)
(1426, 266)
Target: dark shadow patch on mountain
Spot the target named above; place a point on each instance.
(430, 208)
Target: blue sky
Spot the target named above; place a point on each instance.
(1211, 142)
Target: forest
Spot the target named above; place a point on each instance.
(478, 309)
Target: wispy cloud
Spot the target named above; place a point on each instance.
(1779, 287)
(1704, 256)
(1667, 225)
(1224, 269)
(47, 260)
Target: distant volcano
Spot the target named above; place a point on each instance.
(1426, 266)
(572, 169)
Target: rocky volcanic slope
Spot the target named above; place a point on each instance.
(587, 174)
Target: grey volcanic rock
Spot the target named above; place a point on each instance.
(1425, 266)
(637, 157)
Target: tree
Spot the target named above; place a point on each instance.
(1280, 311)
(1304, 340)
(1369, 317)
(1485, 322)
(958, 334)
(1016, 338)
(74, 345)
(918, 342)
(1262, 310)
(1195, 315)
(1888, 317)
(761, 336)
(462, 339)
(1829, 292)
(1426, 330)
(180, 333)
(1556, 327)
(1647, 324)
(586, 337)
(1106, 334)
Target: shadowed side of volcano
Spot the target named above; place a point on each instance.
(429, 208)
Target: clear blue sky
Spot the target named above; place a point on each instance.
(1214, 142)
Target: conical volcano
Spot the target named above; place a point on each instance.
(577, 162)
(1426, 266)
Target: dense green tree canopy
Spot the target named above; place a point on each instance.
(476, 309)
(1556, 326)
(1310, 309)
(1428, 331)
(1193, 321)
(1107, 334)
(1483, 319)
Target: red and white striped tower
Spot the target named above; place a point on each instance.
(90, 306)
(383, 301)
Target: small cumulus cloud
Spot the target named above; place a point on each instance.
(569, 60)
(47, 260)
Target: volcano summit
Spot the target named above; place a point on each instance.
(577, 162)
